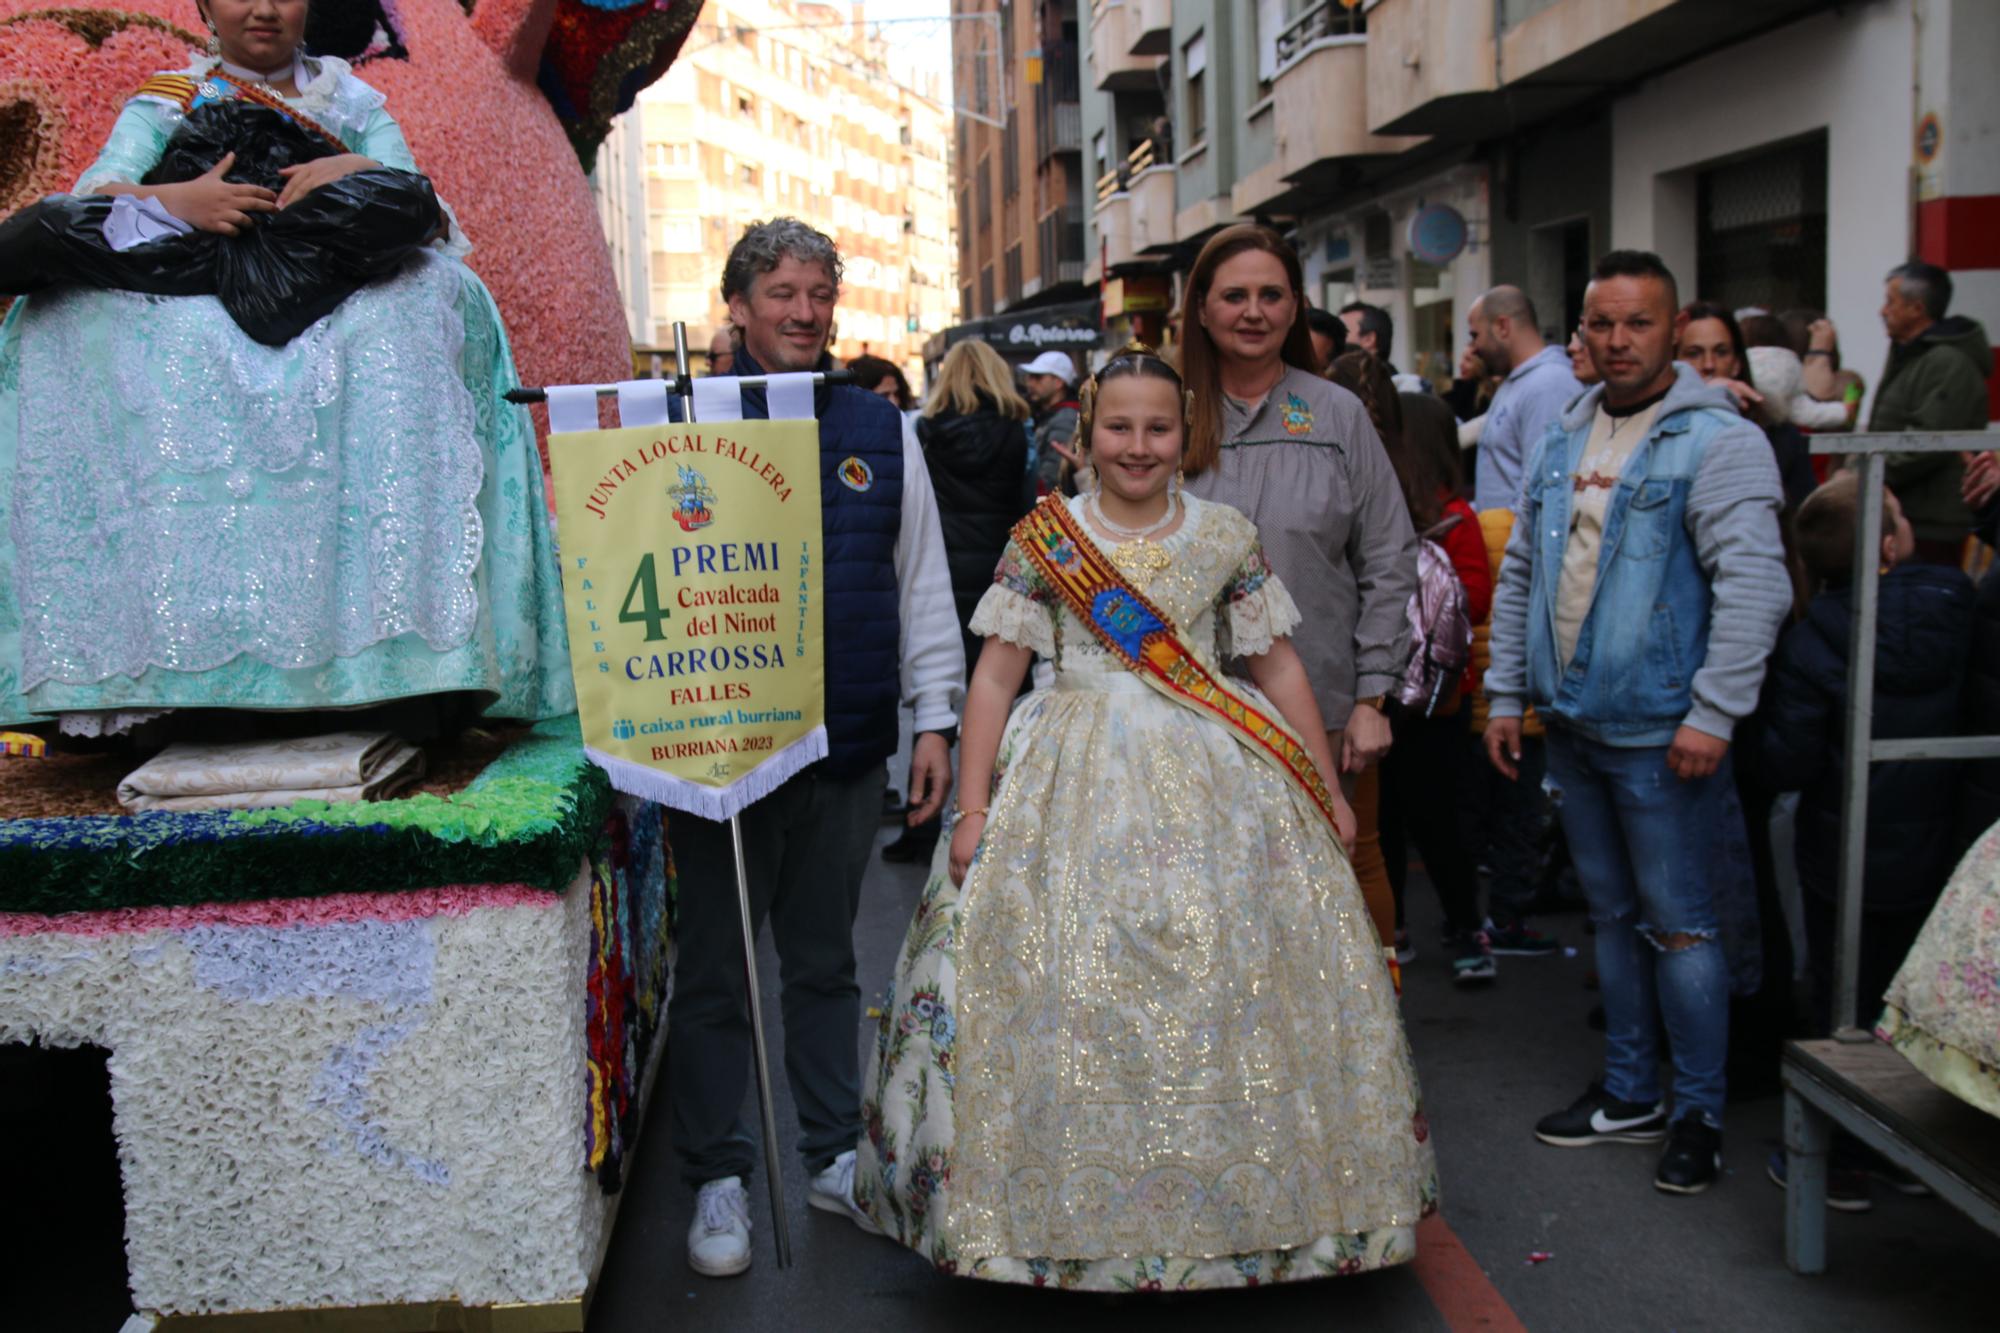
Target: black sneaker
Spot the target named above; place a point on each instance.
(1518, 941)
(1598, 1117)
(1693, 1158)
(1846, 1190)
(1471, 959)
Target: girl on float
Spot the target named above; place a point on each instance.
(1141, 1035)
(303, 489)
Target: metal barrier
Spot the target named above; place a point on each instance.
(1851, 1081)
(1863, 751)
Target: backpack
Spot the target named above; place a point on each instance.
(1440, 629)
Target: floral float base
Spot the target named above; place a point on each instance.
(365, 1098)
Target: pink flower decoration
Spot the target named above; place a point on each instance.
(465, 98)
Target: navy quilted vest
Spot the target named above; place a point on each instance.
(861, 510)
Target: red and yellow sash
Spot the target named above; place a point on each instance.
(187, 92)
(1143, 638)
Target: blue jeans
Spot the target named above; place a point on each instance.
(1639, 837)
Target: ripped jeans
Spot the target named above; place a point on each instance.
(1639, 837)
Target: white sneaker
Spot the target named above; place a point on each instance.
(719, 1236)
(832, 1191)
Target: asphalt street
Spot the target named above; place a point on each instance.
(1621, 1254)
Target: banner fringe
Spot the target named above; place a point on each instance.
(717, 803)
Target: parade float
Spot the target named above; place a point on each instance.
(372, 1062)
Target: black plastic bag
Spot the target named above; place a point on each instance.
(278, 275)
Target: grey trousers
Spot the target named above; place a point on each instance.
(805, 847)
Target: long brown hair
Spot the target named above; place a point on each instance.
(1200, 364)
(1363, 374)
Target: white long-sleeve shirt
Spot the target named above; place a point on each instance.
(930, 647)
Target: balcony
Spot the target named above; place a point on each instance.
(1152, 26)
(1436, 70)
(1113, 67)
(1058, 116)
(1151, 188)
(1114, 223)
(1061, 236)
(1320, 105)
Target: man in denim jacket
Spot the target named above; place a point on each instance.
(1641, 594)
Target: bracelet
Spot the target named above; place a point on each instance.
(967, 814)
(1818, 351)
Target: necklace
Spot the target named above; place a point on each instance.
(1137, 555)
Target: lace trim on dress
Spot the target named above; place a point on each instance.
(1014, 618)
(1258, 618)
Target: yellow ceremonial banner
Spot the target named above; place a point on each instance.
(691, 580)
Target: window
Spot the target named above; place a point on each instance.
(1761, 228)
(986, 290)
(1194, 59)
(1270, 20)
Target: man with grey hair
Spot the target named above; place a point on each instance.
(1538, 385)
(890, 635)
(1935, 380)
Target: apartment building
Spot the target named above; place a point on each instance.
(1777, 152)
(1020, 184)
(788, 107)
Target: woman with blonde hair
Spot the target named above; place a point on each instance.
(974, 430)
(1299, 456)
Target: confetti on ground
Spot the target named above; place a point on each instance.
(1569, 951)
(874, 1012)
(1538, 1257)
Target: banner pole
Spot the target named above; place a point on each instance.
(781, 1232)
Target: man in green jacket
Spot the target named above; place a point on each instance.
(1935, 380)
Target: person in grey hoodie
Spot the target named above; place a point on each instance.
(1639, 600)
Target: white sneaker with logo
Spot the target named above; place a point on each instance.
(719, 1236)
(832, 1191)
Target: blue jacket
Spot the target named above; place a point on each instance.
(1691, 582)
(861, 512)
(1923, 636)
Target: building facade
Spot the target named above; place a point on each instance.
(789, 107)
(1020, 184)
(1778, 153)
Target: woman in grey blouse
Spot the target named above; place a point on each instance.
(1299, 456)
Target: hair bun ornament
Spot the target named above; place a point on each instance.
(1137, 348)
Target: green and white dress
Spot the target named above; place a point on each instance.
(199, 520)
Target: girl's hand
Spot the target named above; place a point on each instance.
(302, 178)
(965, 835)
(210, 203)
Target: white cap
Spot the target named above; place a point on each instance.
(1052, 363)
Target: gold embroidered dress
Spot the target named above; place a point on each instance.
(1150, 1043)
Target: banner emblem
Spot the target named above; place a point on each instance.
(694, 502)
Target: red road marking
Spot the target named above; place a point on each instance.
(1457, 1285)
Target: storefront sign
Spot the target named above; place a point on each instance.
(1437, 234)
(1018, 337)
(691, 582)
(1134, 296)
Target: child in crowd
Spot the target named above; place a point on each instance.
(1922, 640)
(1141, 1034)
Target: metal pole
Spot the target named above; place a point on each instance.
(781, 1231)
(1860, 740)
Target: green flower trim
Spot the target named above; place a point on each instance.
(530, 818)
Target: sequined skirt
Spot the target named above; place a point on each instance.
(1151, 1038)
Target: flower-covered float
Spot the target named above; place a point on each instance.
(370, 1054)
